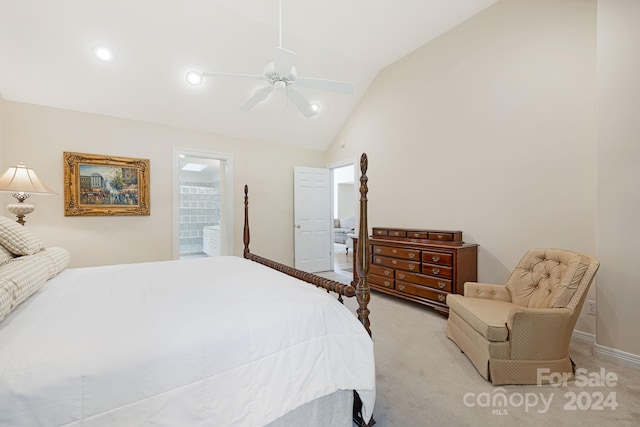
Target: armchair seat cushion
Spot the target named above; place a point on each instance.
(487, 317)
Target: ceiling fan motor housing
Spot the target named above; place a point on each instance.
(273, 77)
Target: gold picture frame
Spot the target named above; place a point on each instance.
(98, 185)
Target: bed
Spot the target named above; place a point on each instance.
(220, 341)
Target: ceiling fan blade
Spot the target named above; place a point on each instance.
(245, 76)
(283, 61)
(300, 102)
(257, 97)
(327, 85)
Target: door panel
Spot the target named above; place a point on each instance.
(312, 219)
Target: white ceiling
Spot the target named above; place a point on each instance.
(46, 57)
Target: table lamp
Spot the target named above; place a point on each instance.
(22, 182)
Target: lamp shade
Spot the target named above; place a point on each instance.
(21, 179)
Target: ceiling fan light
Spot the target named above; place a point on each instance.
(102, 53)
(194, 78)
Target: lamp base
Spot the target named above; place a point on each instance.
(20, 210)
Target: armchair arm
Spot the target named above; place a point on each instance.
(540, 333)
(486, 291)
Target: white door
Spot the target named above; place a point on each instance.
(312, 219)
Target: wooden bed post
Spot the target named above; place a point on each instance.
(246, 237)
(363, 292)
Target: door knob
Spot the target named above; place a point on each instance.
(297, 226)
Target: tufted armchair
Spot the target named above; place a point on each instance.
(509, 332)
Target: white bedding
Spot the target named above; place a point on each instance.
(155, 344)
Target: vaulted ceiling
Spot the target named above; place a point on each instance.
(46, 57)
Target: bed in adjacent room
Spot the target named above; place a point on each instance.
(220, 341)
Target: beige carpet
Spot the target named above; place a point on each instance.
(423, 380)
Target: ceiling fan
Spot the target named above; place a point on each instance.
(280, 75)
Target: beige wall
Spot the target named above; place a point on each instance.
(490, 129)
(38, 135)
(2, 165)
(618, 293)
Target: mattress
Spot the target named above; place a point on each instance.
(218, 341)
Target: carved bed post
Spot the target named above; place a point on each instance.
(363, 292)
(246, 237)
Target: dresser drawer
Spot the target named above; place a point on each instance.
(421, 279)
(437, 258)
(437, 270)
(446, 236)
(417, 234)
(396, 263)
(380, 281)
(398, 233)
(410, 254)
(380, 231)
(381, 271)
(422, 291)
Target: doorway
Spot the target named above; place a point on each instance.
(345, 215)
(203, 206)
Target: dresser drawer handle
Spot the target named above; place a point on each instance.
(416, 234)
(440, 236)
(394, 262)
(401, 275)
(401, 287)
(441, 285)
(412, 266)
(379, 231)
(396, 233)
(435, 258)
(435, 270)
(441, 297)
(386, 283)
(378, 250)
(395, 251)
(378, 261)
(412, 255)
(386, 272)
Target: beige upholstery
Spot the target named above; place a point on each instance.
(509, 332)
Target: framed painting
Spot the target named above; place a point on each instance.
(105, 185)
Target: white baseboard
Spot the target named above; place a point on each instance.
(614, 355)
(584, 337)
(618, 356)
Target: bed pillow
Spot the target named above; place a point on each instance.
(5, 255)
(17, 238)
(23, 276)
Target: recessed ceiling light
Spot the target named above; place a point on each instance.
(194, 167)
(194, 78)
(315, 107)
(102, 53)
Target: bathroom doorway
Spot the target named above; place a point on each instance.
(203, 216)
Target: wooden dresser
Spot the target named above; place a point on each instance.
(420, 265)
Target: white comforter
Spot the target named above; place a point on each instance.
(218, 342)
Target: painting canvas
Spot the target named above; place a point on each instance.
(105, 185)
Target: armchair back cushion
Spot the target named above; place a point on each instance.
(546, 278)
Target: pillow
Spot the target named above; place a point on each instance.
(56, 258)
(17, 238)
(23, 276)
(5, 255)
